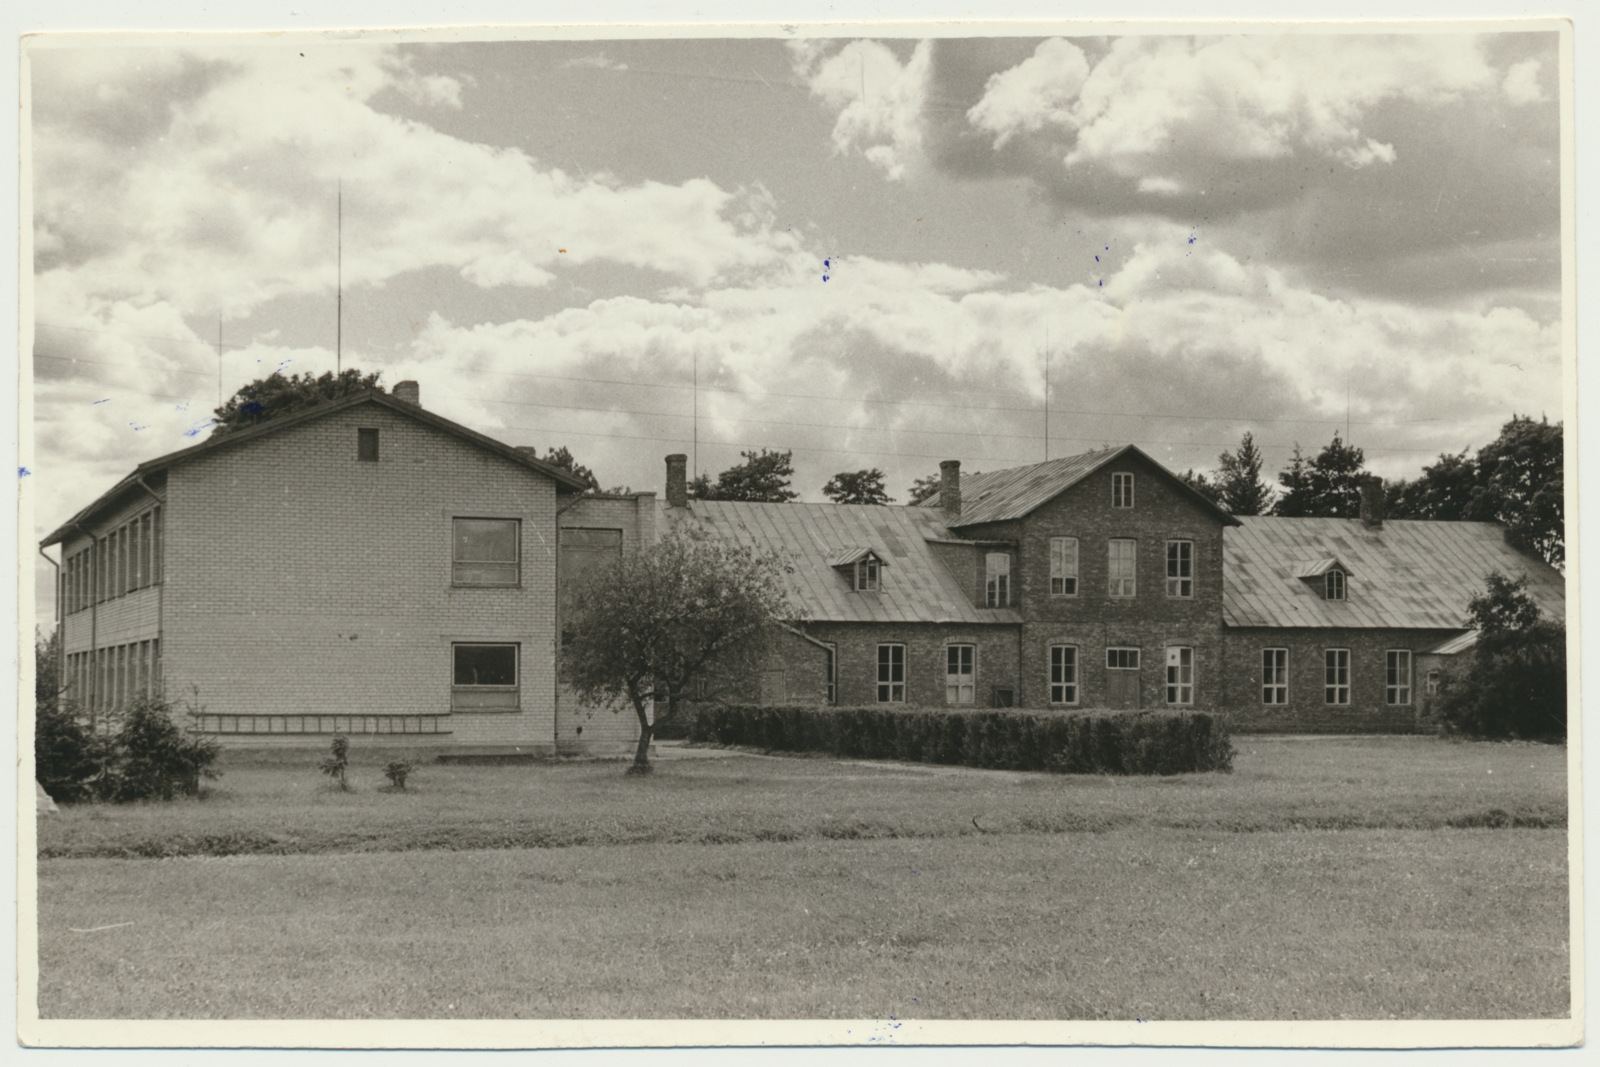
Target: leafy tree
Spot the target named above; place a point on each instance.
(1516, 685)
(46, 666)
(1522, 474)
(1197, 481)
(1239, 479)
(267, 398)
(923, 488)
(561, 457)
(857, 487)
(1449, 489)
(682, 611)
(763, 476)
(1328, 486)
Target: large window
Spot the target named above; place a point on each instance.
(1122, 490)
(1336, 676)
(1180, 675)
(997, 579)
(1063, 674)
(1180, 568)
(484, 677)
(891, 674)
(1274, 676)
(1063, 566)
(1123, 567)
(958, 674)
(1333, 585)
(486, 552)
(1397, 676)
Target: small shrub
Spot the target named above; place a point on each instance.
(397, 771)
(157, 757)
(338, 762)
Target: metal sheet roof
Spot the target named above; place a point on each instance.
(915, 586)
(1404, 574)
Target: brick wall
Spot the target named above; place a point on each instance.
(995, 659)
(301, 580)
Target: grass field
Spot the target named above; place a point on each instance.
(1323, 879)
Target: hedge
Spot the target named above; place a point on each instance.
(1064, 742)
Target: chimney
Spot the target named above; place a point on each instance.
(410, 392)
(1372, 503)
(950, 488)
(677, 480)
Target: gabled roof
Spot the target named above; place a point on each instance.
(283, 422)
(853, 555)
(1404, 574)
(1318, 567)
(998, 496)
(916, 586)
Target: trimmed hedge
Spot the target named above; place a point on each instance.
(1064, 742)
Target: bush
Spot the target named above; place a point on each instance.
(338, 762)
(1064, 742)
(67, 758)
(397, 771)
(148, 757)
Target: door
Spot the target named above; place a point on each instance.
(1122, 677)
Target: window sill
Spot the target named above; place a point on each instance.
(485, 585)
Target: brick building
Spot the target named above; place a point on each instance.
(365, 567)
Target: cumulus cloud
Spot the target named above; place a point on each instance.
(879, 100)
(1522, 83)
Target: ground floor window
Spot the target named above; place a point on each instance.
(891, 674)
(1274, 676)
(1336, 676)
(958, 675)
(484, 676)
(832, 668)
(1397, 676)
(1063, 674)
(1180, 675)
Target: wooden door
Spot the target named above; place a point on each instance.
(1122, 688)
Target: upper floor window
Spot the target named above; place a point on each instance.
(958, 674)
(1333, 585)
(367, 444)
(1063, 566)
(486, 552)
(1122, 490)
(867, 575)
(1123, 573)
(1180, 568)
(1397, 676)
(997, 579)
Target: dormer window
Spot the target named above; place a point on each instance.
(1333, 585)
(861, 567)
(1122, 490)
(867, 575)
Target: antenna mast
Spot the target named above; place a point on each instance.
(219, 359)
(1047, 394)
(696, 449)
(338, 329)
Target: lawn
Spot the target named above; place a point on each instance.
(1323, 879)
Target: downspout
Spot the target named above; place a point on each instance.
(61, 638)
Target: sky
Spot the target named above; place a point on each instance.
(874, 252)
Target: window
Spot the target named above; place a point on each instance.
(1433, 683)
(832, 667)
(1274, 676)
(1063, 674)
(1333, 585)
(1397, 676)
(1336, 676)
(1122, 490)
(1180, 568)
(866, 575)
(1122, 659)
(1063, 566)
(997, 579)
(891, 674)
(486, 552)
(958, 679)
(1180, 675)
(484, 677)
(367, 445)
(1124, 572)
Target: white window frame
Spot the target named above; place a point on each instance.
(1275, 676)
(1180, 569)
(1116, 580)
(891, 673)
(1116, 652)
(959, 686)
(1063, 674)
(471, 696)
(997, 579)
(1397, 691)
(1333, 585)
(1063, 566)
(456, 563)
(1336, 676)
(1180, 675)
(866, 575)
(1122, 489)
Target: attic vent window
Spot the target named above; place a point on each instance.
(367, 445)
(1333, 585)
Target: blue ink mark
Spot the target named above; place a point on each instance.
(253, 407)
(197, 427)
(1097, 259)
(181, 407)
(1191, 238)
(100, 401)
(827, 265)
(23, 472)
(1102, 283)
(137, 427)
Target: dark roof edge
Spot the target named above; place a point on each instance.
(559, 474)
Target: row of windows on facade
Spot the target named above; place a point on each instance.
(108, 679)
(124, 560)
(960, 685)
(1122, 571)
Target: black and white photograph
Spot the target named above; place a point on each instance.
(555, 537)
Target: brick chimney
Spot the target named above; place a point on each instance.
(410, 392)
(1372, 502)
(950, 488)
(677, 480)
